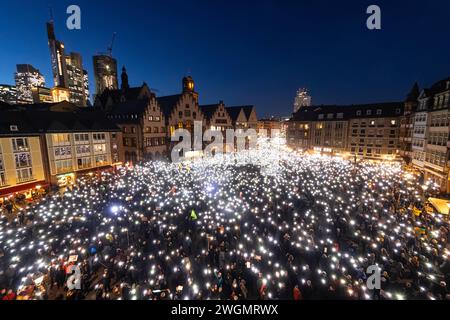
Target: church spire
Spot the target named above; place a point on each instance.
(125, 85)
(413, 95)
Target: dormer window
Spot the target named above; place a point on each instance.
(358, 113)
(369, 112)
(13, 128)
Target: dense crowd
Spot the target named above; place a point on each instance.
(261, 224)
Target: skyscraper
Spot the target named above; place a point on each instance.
(68, 72)
(86, 87)
(76, 82)
(302, 99)
(8, 93)
(105, 72)
(27, 77)
(58, 57)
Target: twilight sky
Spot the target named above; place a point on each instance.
(245, 51)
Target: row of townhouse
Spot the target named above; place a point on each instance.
(369, 131)
(148, 122)
(427, 143)
(52, 145)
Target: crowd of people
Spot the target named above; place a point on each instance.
(261, 224)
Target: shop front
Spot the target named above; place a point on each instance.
(25, 192)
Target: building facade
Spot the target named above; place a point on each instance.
(407, 124)
(105, 73)
(21, 163)
(359, 131)
(243, 117)
(60, 94)
(79, 94)
(143, 129)
(27, 78)
(42, 95)
(181, 111)
(68, 72)
(53, 144)
(58, 58)
(8, 94)
(216, 117)
(430, 139)
(148, 122)
(270, 126)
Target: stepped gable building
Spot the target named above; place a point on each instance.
(217, 117)
(181, 111)
(143, 127)
(243, 117)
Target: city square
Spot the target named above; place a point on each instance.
(269, 223)
(204, 159)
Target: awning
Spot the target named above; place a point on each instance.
(441, 205)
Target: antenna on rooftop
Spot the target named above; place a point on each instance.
(51, 13)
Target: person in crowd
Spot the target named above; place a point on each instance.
(264, 225)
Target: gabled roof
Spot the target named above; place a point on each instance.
(117, 94)
(438, 87)
(234, 112)
(209, 110)
(30, 122)
(168, 103)
(14, 118)
(130, 107)
(64, 106)
(413, 95)
(130, 111)
(248, 111)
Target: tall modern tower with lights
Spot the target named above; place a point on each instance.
(58, 57)
(105, 73)
(302, 99)
(71, 80)
(27, 78)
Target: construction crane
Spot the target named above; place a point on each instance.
(110, 48)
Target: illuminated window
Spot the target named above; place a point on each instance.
(20, 144)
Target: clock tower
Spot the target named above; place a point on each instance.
(189, 86)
